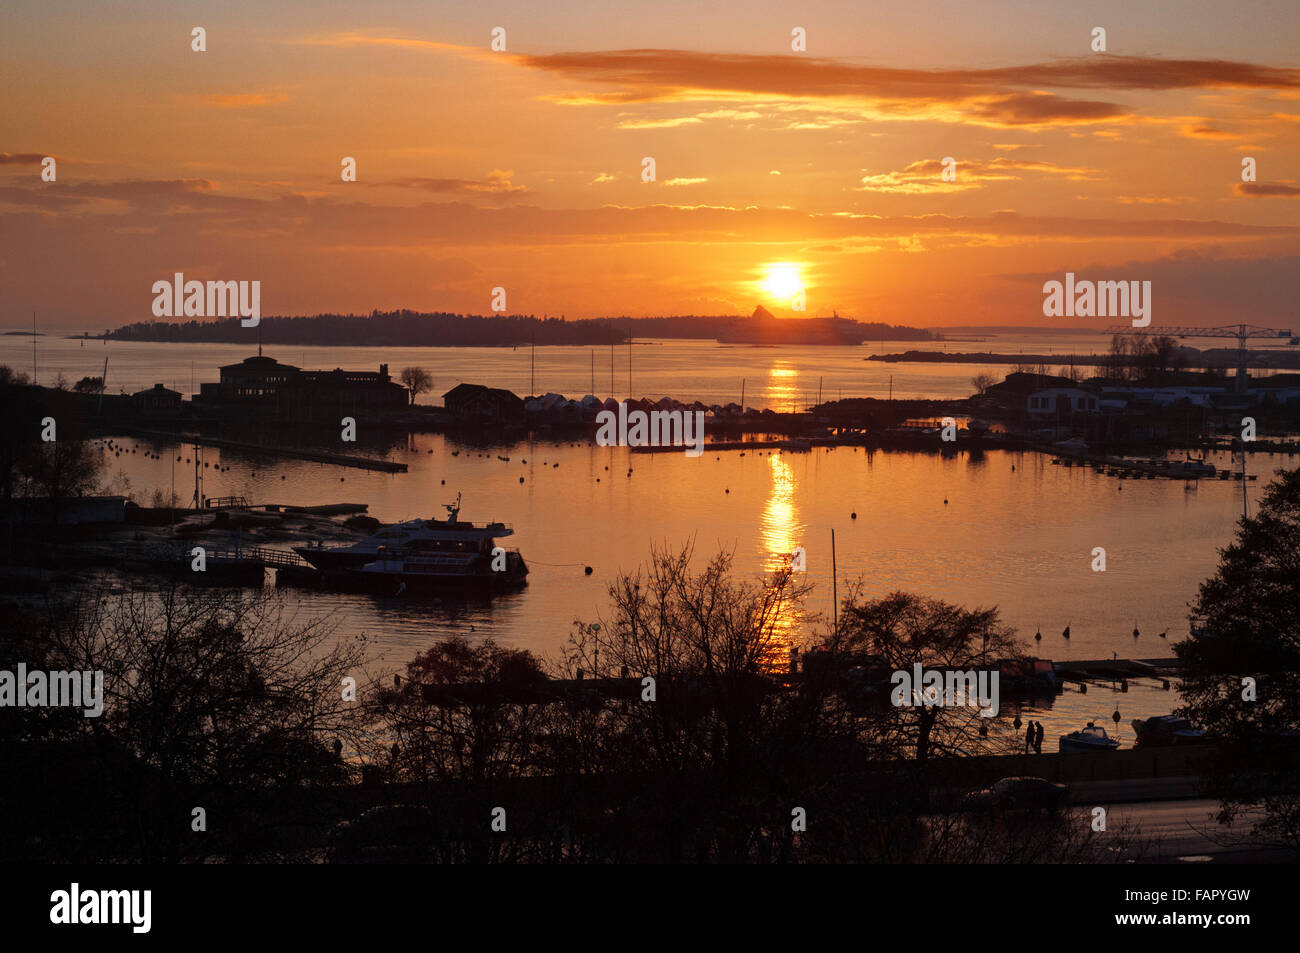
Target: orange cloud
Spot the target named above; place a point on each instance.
(244, 100)
(22, 158)
(1146, 200)
(1208, 132)
(1004, 97)
(659, 123)
(496, 182)
(926, 175)
(1268, 190)
(352, 40)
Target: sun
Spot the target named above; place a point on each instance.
(783, 280)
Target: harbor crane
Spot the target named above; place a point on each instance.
(1242, 332)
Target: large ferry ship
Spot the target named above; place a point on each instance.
(765, 328)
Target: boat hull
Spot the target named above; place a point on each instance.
(396, 580)
(414, 585)
(1069, 745)
(333, 560)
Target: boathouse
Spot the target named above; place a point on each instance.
(157, 401)
(476, 402)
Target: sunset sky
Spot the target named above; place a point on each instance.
(775, 168)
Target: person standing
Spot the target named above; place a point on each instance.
(1030, 735)
(1038, 739)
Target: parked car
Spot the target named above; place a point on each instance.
(1020, 794)
(388, 834)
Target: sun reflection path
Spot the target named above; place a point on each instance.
(779, 529)
(782, 536)
(782, 392)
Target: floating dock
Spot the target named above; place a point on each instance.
(1117, 670)
(1125, 468)
(718, 447)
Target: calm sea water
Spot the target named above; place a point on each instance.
(780, 378)
(1004, 529)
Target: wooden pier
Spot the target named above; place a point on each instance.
(172, 555)
(1117, 670)
(729, 445)
(1122, 467)
(262, 556)
(319, 456)
(320, 509)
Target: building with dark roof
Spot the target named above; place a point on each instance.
(157, 401)
(476, 402)
(264, 385)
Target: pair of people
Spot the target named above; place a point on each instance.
(1034, 737)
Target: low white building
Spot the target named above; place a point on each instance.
(1062, 400)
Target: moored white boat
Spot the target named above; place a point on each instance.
(444, 536)
(1189, 468)
(1091, 738)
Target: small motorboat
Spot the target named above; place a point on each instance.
(1167, 730)
(1091, 738)
(1188, 469)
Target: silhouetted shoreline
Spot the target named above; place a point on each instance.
(444, 329)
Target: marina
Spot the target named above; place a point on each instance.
(673, 437)
(878, 471)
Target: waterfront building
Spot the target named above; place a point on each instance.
(157, 401)
(264, 385)
(476, 402)
(1062, 400)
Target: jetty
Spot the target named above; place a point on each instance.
(260, 556)
(319, 456)
(1081, 672)
(321, 509)
(166, 554)
(1126, 468)
(719, 446)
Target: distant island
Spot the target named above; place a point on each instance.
(441, 329)
(989, 357)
